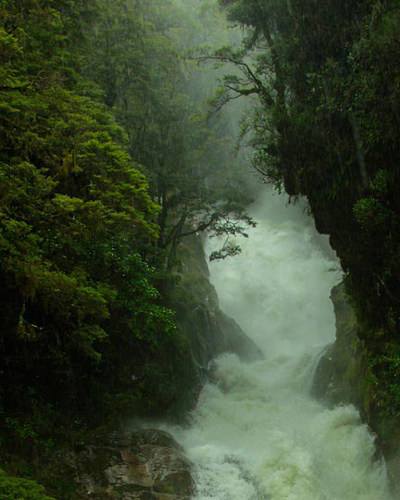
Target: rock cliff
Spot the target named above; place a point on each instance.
(209, 331)
(343, 376)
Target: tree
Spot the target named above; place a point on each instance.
(165, 122)
(76, 220)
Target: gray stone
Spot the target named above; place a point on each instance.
(149, 464)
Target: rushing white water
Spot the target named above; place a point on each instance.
(256, 432)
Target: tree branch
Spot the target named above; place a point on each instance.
(202, 226)
(246, 69)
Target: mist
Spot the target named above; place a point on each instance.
(199, 227)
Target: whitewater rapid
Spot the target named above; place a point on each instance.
(257, 433)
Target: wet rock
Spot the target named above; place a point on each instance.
(234, 340)
(342, 378)
(146, 465)
(342, 374)
(210, 332)
(155, 437)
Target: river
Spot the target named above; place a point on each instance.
(257, 433)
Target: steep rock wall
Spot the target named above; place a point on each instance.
(209, 331)
(344, 376)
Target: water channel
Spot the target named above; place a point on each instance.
(257, 433)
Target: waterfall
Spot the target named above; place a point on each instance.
(257, 433)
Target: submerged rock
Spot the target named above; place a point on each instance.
(146, 465)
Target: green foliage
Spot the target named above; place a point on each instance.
(13, 488)
(107, 160)
(185, 159)
(80, 312)
(371, 214)
(386, 378)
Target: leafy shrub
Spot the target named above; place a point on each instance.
(13, 488)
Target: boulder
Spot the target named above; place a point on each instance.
(146, 465)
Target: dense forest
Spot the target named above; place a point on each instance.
(107, 161)
(115, 146)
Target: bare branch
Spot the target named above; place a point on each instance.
(202, 226)
(246, 70)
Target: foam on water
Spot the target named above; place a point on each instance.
(256, 432)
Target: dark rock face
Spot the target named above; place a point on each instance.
(342, 378)
(210, 332)
(343, 370)
(236, 341)
(148, 465)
